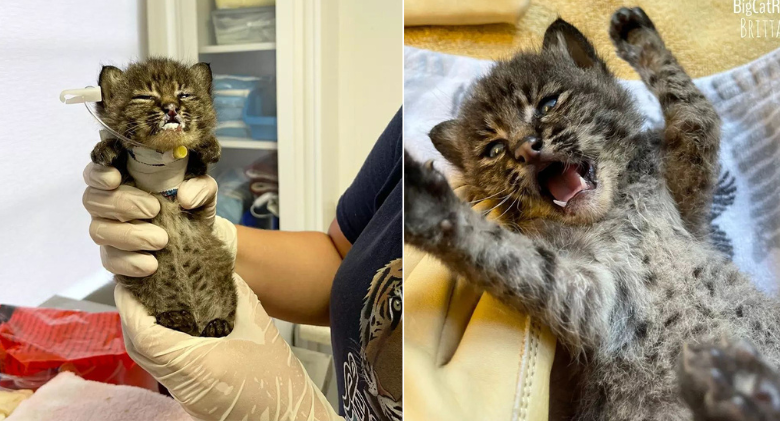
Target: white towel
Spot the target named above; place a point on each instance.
(68, 397)
(746, 211)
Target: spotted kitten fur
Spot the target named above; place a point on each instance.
(163, 104)
(605, 231)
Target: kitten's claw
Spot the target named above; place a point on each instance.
(428, 204)
(729, 382)
(181, 320)
(635, 37)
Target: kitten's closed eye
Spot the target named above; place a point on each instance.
(185, 95)
(495, 149)
(143, 97)
(547, 104)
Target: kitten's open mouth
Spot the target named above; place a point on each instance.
(563, 182)
(173, 126)
(172, 123)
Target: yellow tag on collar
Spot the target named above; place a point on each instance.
(179, 152)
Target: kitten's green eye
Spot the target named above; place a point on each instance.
(184, 96)
(495, 149)
(547, 104)
(144, 97)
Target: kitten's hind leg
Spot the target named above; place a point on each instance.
(217, 328)
(730, 382)
(570, 293)
(181, 320)
(692, 133)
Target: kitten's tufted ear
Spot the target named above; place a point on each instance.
(108, 80)
(445, 140)
(202, 73)
(563, 36)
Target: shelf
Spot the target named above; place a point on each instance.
(237, 48)
(243, 143)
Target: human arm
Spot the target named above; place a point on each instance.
(292, 272)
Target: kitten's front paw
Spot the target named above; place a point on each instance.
(104, 153)
(729, 382)
(635, 36)
(429, 204)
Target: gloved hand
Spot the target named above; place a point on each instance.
(251, 374)
(117, 214)
(467, 356)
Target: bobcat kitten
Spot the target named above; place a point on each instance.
(605, 229)
(163, 104)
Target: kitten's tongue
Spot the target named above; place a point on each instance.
(567, 184)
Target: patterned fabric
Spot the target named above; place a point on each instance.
(746, 210)
(747, 99)
(366, 299)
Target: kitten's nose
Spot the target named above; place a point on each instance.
(171, 110)
(529, 149)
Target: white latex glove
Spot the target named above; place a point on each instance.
(250, 374)
(118, 213)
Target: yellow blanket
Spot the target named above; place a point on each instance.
(462, 12)
(705, 36)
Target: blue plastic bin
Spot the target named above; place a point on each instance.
(261, 127)
(230, 82)
(229, 108)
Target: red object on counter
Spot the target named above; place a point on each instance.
(38, 343)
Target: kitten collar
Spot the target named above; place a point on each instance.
(156, 172)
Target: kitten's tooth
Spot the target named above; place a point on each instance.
(560, 203)
(584, 183)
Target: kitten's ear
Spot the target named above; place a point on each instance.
(108, 79)
(202, 72)
(563, 36)
(444, 139)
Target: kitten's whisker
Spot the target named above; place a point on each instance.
(507, 209)
(486, 198)
(494, 207)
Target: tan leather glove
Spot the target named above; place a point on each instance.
(466, 355)
(251, 374)
(118, 214)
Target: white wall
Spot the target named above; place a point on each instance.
(369, 83)
(45, 47)
(370, 77)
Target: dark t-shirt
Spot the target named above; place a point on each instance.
(366, 299)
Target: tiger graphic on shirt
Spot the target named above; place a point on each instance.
(379, 356)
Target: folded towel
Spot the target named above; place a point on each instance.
(746, 212)
(462, 12)
(68, 397)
